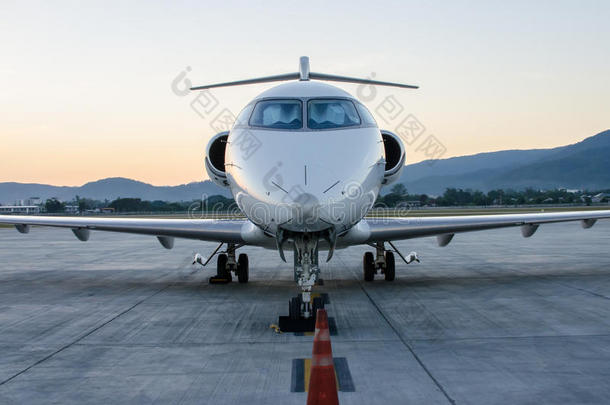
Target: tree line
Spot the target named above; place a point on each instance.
(398, 196)
(459, 197)
(215, 202)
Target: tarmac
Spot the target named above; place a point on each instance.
(491, 318)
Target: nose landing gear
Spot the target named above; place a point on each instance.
(294, 309)
(301, 309)
(306, 269)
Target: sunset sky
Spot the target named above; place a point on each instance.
(90, 90)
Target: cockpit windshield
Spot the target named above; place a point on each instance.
(278, 114)
(331, 113)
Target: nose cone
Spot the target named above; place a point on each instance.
(305, 214)
(306, 205)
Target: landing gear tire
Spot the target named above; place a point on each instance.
(222, 270)
(294, 308)
(390, 266)
(243, 271)
(368, 266)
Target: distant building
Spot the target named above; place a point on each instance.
(28, 202)
(33, 201)
(71, 209)
(600, 197)
(408, 204)
(19, 209)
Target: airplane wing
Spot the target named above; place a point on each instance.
(445, 227)
(217, 230)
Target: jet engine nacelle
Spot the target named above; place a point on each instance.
(215, 158)
(395, 156)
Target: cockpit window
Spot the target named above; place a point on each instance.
(242, 118)
(331, 113)
(367, 117)
(278, 114)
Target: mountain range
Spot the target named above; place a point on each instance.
(110, 189)
(583, 165)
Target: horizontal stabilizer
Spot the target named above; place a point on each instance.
(345, 79)
(304, 75)
(266, 79)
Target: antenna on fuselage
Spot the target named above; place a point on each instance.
(304, 68)
(304, 74)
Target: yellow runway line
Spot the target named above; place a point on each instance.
(307, 371)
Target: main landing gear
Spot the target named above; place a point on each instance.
(226, 263)
(383, 262)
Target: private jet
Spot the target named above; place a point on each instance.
(305, 162)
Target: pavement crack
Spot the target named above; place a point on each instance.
(405, 343)
(557, 278)
(584, 290)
